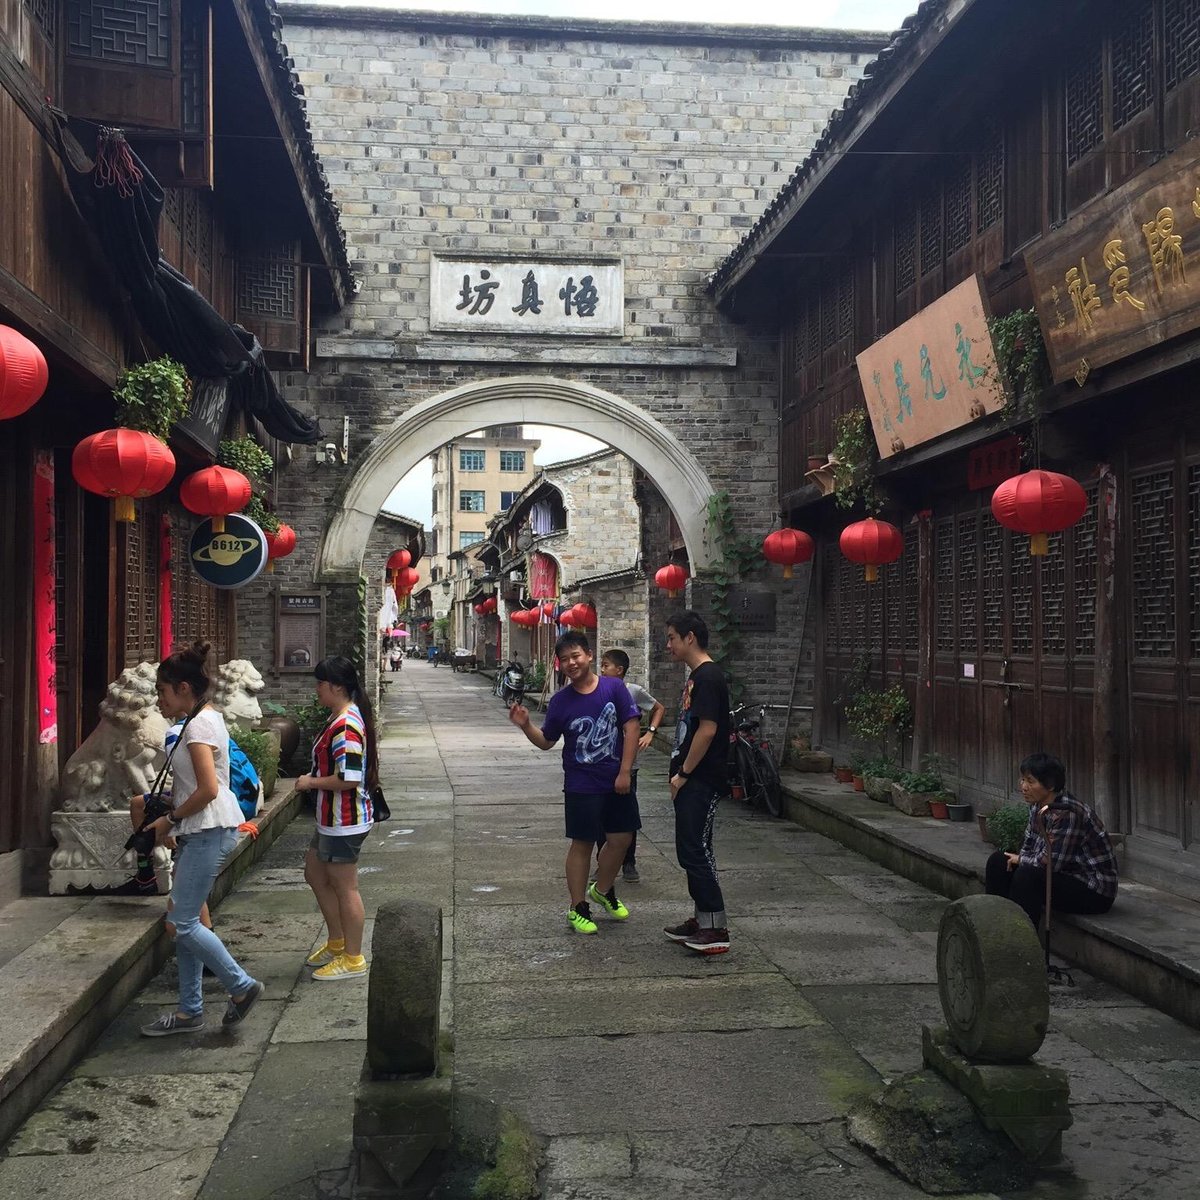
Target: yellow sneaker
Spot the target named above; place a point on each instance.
(342, 967)
(326, 954)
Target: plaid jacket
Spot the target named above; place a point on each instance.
(1079, 847)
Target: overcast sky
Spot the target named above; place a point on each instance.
(829, 14)
(412, 495)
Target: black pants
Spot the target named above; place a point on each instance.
(695, 810)
(630, 859)
(1026, 886)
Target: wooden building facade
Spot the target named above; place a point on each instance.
(207, 97)
(974, 146)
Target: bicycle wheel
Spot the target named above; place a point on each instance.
(747, 766)
(772, 787)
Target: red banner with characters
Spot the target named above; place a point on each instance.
(45, 613)
(543, 581)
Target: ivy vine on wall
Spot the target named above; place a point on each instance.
(735, 557)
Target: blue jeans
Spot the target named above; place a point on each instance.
(199, 859)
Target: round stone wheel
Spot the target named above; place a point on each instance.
(992, 980)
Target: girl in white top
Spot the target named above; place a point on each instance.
(204, 823)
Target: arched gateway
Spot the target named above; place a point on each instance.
(521, 399)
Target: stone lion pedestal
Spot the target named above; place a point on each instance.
(982, 1115)
(90, 853)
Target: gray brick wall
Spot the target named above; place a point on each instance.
(572, 141)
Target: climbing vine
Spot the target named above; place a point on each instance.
(853, 459)
(360, 636)
(736, 556)
(1021, 358)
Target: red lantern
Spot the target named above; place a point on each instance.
(871, 542)
(671, 578)
(124, 464)
(396, 563)
(585, 615)
(490, 604)
(1039, 503)
(566, 618)
(478, 609)
(23, 373)
(548, 609)
(215, 492)
(406, 579)
(526, 617)
(787, 547)
(279, 544)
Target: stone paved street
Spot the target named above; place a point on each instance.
(653, 1073)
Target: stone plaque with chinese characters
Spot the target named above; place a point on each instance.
(532, 296)
(752, 611)
(1123, 274)
(934, 373)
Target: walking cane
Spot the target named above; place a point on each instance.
(1055, 974)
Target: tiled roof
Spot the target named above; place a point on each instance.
(877, 75)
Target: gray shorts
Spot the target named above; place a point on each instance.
(337, 848)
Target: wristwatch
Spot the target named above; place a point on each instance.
(173, 818)
(652, 729)
(682, 774)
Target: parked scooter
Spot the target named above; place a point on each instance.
(512, 682)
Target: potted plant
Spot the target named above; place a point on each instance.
(275, 718)
(878, 776)
(817, 461)
(852, 462)
(916, 792)
(879, 715)
(244, 454)
(1006, 826)
(959, 812)
(843, 773)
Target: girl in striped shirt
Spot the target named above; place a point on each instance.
(343, 775)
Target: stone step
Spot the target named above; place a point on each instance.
(1148, 944)
(63, 987)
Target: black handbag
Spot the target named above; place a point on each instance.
(379, 806)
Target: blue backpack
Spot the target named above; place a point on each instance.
(243, 780)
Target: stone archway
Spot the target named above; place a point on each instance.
(521, 399)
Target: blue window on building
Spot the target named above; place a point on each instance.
(507, 500)
(471, 460)
(470, 501)
(512, 460)
(469, 537)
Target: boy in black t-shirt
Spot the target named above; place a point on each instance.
(698, 781)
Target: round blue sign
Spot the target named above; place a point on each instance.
(230, 559)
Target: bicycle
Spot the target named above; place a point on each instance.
(752, 763)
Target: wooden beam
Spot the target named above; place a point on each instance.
(1105, 743)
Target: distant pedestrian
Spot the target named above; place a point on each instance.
(396, 658)
(615, 664)
(598, 722)
(1082, 864)
(698, 781)
(204, 820)
(344, 773)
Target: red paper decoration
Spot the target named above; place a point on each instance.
(1039, 503)
(585, 616)
(548, 609)
(871, 543)
(123, 464)
(215, 492)
(406, 579)
(279, 544)
(787, 547)
(23, 373)
(489, 605)
(671, 578)
(527, 617)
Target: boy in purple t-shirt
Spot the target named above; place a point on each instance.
(599, 723)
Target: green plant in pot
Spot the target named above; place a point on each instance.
(852, 462)
(276, 718)
(261, 747)
(1006, 826)
(244, 454)
(916, 792)
(152, 396)
(880, 716)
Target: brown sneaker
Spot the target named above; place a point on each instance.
(681, 933)
(709, 941)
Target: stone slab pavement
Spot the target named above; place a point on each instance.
(652, 1072)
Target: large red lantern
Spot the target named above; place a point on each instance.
(871, 543)
(787, 547)
(23, 373)
(215, 492)
(671, 578)
(396, 563)
(548, 609)
(1039, 503)
(279, 544)
(566, 618)
(123, 464)
(406, 579)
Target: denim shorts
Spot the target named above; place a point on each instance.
(337, 848)
(592, 816)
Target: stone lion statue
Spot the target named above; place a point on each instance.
(123, 754)
(235, 690)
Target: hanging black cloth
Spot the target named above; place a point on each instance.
(121, 201)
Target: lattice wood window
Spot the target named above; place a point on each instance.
(193, 69)
(1085, 103)
(1020, 582)
(1193, 557)
(989, 181)
(812, 330)
(911, 564)
(141, 587)
(828, 316)
(1133, 65)
(272, 296)
(1084, 577)
(943, 586)
(958, 207)
(124, 31)
(845, 304)
(1181, 20)
(931, 229)
(44, 12)
(968, 584)
(1152, 538)
(992, 572)
(906, 249)
(1053, 584)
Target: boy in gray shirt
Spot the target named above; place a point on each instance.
(616, 663)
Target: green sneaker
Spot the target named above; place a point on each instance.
(580, 918)
(609, 903)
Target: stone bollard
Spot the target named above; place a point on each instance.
(405, 991)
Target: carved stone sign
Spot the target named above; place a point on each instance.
(752, 611)
(1124, 273)
(934, 373)
(532, 296)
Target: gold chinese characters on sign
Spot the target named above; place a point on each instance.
(1123, 274)
(934, 373)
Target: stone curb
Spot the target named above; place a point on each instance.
(1133, 947)
(73, 981)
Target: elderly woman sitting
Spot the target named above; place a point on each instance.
(1083, 867)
